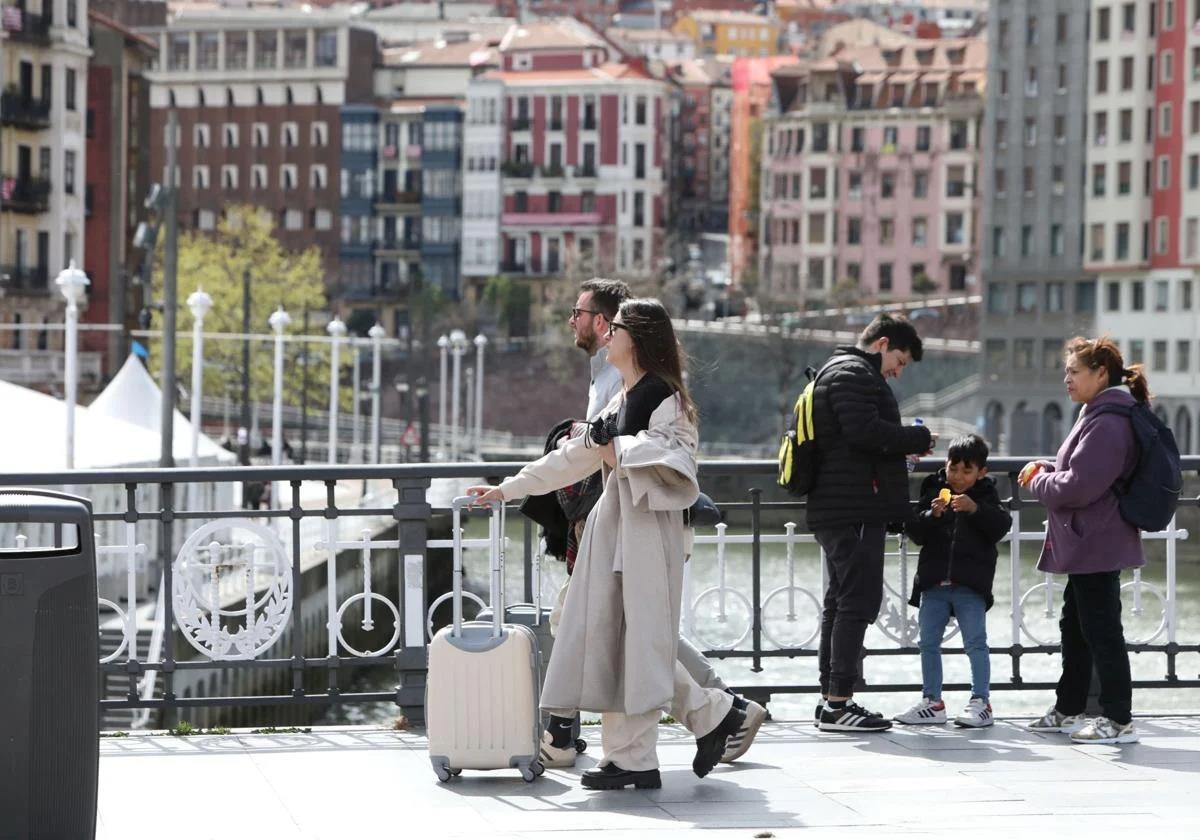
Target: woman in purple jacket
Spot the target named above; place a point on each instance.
(1089, 542)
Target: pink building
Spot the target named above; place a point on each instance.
(869, 173)
(581, 176)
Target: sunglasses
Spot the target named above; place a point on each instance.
(576, 312)
(613, 326)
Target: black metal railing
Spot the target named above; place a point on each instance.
(17, 109)
(26, 194)
(19, 278)
(351, 540)
(26, 26)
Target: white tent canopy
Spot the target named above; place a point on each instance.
(120, 429)
(133, 397)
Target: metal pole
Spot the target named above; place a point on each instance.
(199, 302)
(376, 332)
(244, 447)
(423, 417)
(337, 330)
(279, 321)
(443, 344)
(71, 282)
(457, 339)
(480, 343)
(469, 399)
(170, 261)
(304, 396)
(356, 387)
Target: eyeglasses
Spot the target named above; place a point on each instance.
(576, 311)
(613, 326)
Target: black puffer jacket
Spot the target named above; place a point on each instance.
(958, 547)
(861, 474)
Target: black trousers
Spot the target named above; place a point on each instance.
(854, 562)
(1092, 637)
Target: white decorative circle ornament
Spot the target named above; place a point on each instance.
(232, 599)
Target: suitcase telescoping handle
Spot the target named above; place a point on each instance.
(496, 552)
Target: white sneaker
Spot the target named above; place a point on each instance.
(552, 756)
(927, 711)
(1102, 730)
(976, 715)
(1056, 721)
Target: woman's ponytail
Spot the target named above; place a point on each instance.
(1135, 377)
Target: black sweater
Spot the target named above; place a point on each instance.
(959, 547)
(861, 474)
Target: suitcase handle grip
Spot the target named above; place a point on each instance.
(496, 551)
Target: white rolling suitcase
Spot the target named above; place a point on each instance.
(482, 692)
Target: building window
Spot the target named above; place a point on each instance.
(1060, 129)
(1125, 125)
(1102, 24)
(1122, 241)
(1112, 296)
(229, 177)
(200, 177)
(1031, 81)
(887, 231)
(317, 177)
(201, 136)
(1162, 230)
(816, 228)
(69, 172)
(70, 89)
(237, 50)
(1164, 120)
(230, 134)
(289, 134)
(1191, 246)
(1160, 356)
(326, 44)
(1097, 237)
(1100, 127)
(997, 242)
(208, 47)
(260, 135)
(887, 185)
(1026, 240)
(885, 277)
(1098, 180)
(1055, 294)
(924, 134)
(954, 229)
(1085, 297)
(179, 51)
(1056, 240)
(295, 52)
(921, 183)
(639, 111)
(1102, 76)
(258, 176)
(1138, 289)
(920, 232)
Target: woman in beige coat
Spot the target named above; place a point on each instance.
(615, 648)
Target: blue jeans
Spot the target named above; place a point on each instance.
(970, 610)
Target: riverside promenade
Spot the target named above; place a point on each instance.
(335, 783)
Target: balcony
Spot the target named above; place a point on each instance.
(552, 170)
(586, 170)
(521, 124)
(397, 244)
(24, 195)
(513, 266)
(399, 197)
(21, 111)
(25, 279)
(589, 124)
(26, 26)
(517, 169)
(553, 220)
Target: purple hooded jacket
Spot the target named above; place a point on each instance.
(1086, 532)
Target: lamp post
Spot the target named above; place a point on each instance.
(200, 303)
(469, 409)
(402, 390)
(423, 415)
(443, 344)
(458, 345)
(337, 331)
(376, 333)
(71, 282)
(279, 322)
(356, 402)
(480, 343)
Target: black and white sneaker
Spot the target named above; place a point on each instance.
(817, 715)
(851, 718)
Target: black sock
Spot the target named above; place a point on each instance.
(836, 704)
(560, 731)
(739, 702)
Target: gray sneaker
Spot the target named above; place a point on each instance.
(1103, 730)
(1056, 721)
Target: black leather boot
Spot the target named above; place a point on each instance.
(612, 777)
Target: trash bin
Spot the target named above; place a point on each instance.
(49, 662)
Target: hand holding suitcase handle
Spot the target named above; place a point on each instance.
(482, 494)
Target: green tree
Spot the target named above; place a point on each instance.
(215, 263)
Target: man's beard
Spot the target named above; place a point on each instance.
(587, 343)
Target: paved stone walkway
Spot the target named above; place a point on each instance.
(940, 782)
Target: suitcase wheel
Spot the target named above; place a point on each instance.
(443, 773)
(580, 745)
(455, 771)
(532, 771)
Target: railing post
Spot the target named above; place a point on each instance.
(756, 561)
(1014, 579)
(412, 513)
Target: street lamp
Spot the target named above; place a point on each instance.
(337, 331)
(458, 346)
(279, 322)
(72, 282)
(443, 344)
(480, 343)
(401, 386)
(200, 303)
(376, 333)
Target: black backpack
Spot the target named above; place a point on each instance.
(1148, 497)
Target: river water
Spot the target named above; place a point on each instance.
(710, 631)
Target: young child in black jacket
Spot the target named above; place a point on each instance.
(960, 520)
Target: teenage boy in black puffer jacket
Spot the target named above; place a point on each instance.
(960, 520)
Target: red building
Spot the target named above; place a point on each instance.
(118, 176)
